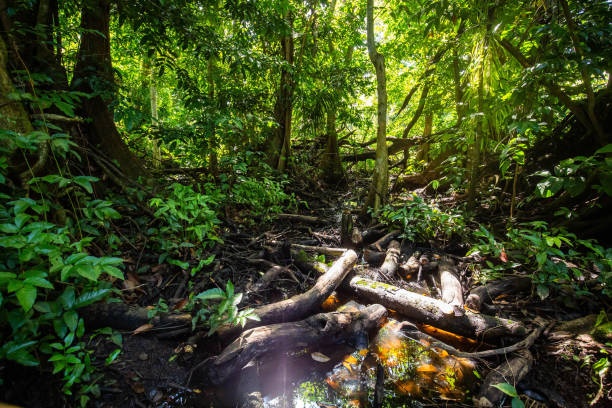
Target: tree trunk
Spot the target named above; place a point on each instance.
(213, 162)
(278, 145)
(379, 189)
(423, 153)
(476, 145)
(94, 66)
(12, 114)
(149, 74)
(331, 165)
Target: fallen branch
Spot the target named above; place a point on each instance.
(424, 309)
(301, 218)
(491, 290)
(301, 305)
(320, 329)
(511, 372)
(389, 266)
(414, 333)
(452, 292)
(125, 317)
(318, 249)
(384, 241)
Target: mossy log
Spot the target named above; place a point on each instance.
(317, 330)
(424, 309)
(302, 305)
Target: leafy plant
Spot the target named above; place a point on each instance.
(188, 220)
(225, 311)
(510, 390)
(421, 221)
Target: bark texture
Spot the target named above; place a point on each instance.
(423, 309)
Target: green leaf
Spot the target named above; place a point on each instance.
(85, 182)
(543, 291)
(88, 271)
(517, 403)
(606, 149)
(507, 389)
(26, 297)
(40, 282)
(214, 293)
(71, 318)
(91, 297)
(112, 356)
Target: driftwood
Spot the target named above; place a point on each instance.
(125, 317)
(384, 241)
(452, 292)
(306, 219)
(511, 371)
(424, 309)
(320, 329)
(389, 266)
(491, 290)
(299, 306)
(273, 272)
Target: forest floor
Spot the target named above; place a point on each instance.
(154, 368)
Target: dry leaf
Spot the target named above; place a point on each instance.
(181, 304)
(143, 328)
(503, 257)
(321, 358)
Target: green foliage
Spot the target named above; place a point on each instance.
(576, 174)
(420, 221)
(510, 390)
(556, 257)
(224, 311)
(47, 274)
(188, 220)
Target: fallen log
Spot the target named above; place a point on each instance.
(125, 317)
(374, 258)
(389, 266)
(493, 289)
(317, 330)
(298, 306)
(452, 292)
(372, 234)
(423, 309)
(511, 372)
(307, 219)
(318, 249)
(385, 240)
(273, 272)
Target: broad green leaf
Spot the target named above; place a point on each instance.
(91, 297)
(214, 293)
(507, 389)
(26, 296)
(71, 318)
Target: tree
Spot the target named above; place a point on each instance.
(377, 194)
(93, 74)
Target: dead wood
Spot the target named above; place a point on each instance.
(350, 236)
(318, 249)
(491, 290)
(372, 234)
(272, 274)
(389, 266)
(413, 332)
(385, 240)
(299, 306)
(307, 219)
(511, 372)
(125, 317)
(320, 329)
(411, 266)
(452, 292)
(424, 309)
(374, 258)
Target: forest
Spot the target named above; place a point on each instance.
(305, 203)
